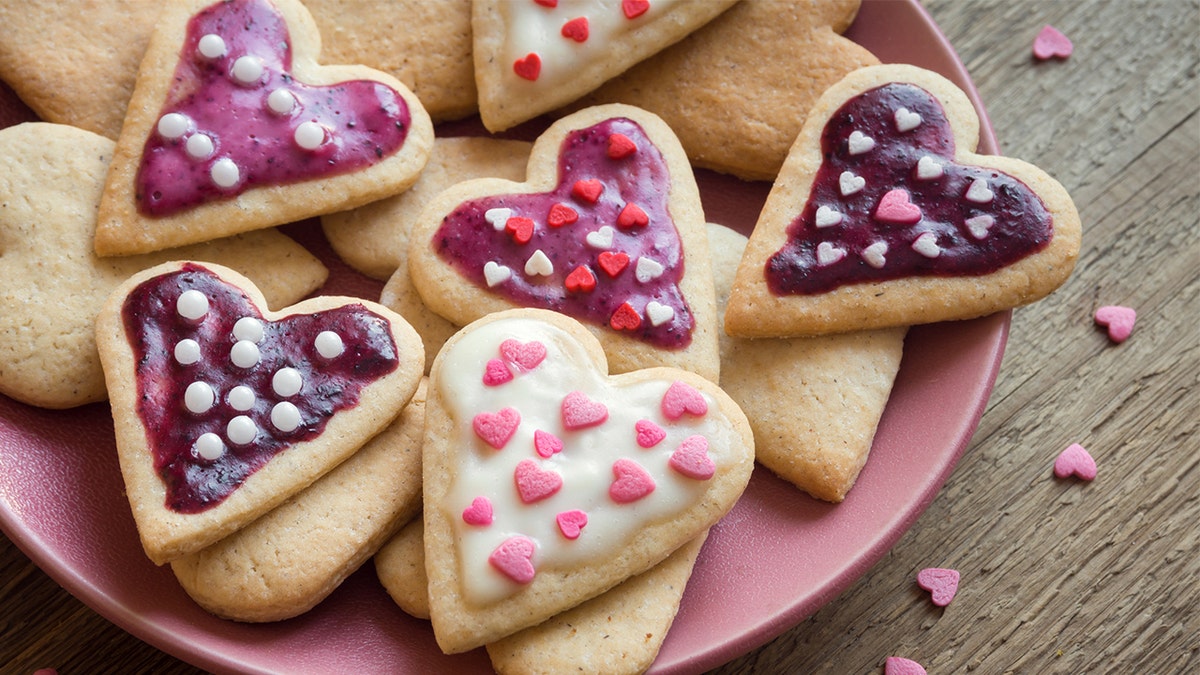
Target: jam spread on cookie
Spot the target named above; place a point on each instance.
(601, 246)
(890, 202)
(236, 118)
(221, 390)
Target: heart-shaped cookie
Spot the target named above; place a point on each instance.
(233, 128)
(223, 409)
(568, 526)
(607, 228)
(883, 215)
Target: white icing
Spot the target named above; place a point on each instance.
(248, 328)
(827, 216)
(648, 269)
(658, 313)
(827, 253)
(539, 264)
(199, 397)
(329, 344)
(858, 143)
(244, 354)
(173, 125)
(187, 352)
(192, 305)
(225, 173)
(494, 273)
(287, 382)
(978, 226)
(247, 69)
(211, 46)
(979, 192)
(497, 217)
(907, 120)
(210, 446)
(849, 183)
(601, 238)
(875, 254)
(241, 398)
(241, 430)
(309, 135)
(281, 101)
(928, 168)
(285, 416)
(927, 245)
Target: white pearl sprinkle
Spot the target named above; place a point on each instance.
(211, 46)
(241, 398)
(187, 352)
(209, 446)
(199, 146)
(285, 416)
(248, 328)
(309, 135)
(173, 125)
(241, 430)
(329, 344)
(287, 382)
(225, 173)
(199, 397)
(192, 305)
(244, 354)
(247, 69)
(281, 101)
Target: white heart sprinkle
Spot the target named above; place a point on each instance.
(850, 183)
(497, 217)
(539, 263)
(827, 253)
(495, 273)
(979, 192)
(978, 226)
(874, 254)
(648, 270)
(907, 120)
(659, 313)
(827, 216)
(927, 245)
(860, 143)
(928, 168)
(601, 238)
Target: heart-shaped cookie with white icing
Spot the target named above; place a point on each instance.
(223, 409)
(883, 215)
(548, 481)
(234, 126)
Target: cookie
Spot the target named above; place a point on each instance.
(537, 55)
(883, 215)
(548, 481)
(737, 109)
(224, 409)
(53, 282)
(607, 228)
(232, 130)
(290, 559)
(814, 403)
(400, 566)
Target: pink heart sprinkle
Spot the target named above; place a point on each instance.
(1119, 321)
(1050, 43)
(649, 434)
(527, 355)
(895, 207)
(691, 459)
(496, 373)
(534, 483)
(512, 559)
(571, 522)
(941, 583)
(683, 398)
(496, 428)
(630, 482)
(896, 665)
(479, 512)
(546, 444)
(1075, 461)
(579, 411)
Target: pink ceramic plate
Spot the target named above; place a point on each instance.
(776, 559)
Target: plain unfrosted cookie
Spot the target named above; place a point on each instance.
(223, 409)
(534, 56)
(814, 403)
(53, 283)
(884, 215)
(737, 90)
(232, 130)
(548, 481)
(615, 238)
(292, 558)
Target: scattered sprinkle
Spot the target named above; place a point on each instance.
(898, 665)
(1050, 43)
(940, 582)
(1119, 321)
(1075, 461)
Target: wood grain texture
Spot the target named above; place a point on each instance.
(1057, 576)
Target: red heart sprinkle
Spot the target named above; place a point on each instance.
(546, 444)
(613, 263)
(520, 228)
(496, 428)
(571, 522)
(632, 216)
(479, 512)
(625, 318)
(1119, 321)
(534, 483)
(529, 67)
(576, 29)
(1075, 461)
(630, 482)
(682, 398)
(561, 214)
(896, 665)
(588, 190)
(649, 434)
(1050, 43)
(634, 8)
(941, 583)
(620, 146)
(579, 411)
(496, 373)
(527, 355)
(511, 558)
(581, 279)
(691, 459)
(895, 207)
(547, 3)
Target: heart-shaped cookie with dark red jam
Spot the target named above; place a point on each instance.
(607, 228)
(233, 126)
(223, 409)
(547, 487)
(883, 215)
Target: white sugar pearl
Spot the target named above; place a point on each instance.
(281, 101)
(241, 430)
(329, 344)
(199, 146)
(244, 354)
(247, 69)
(209, 446)
(248, 328)
(285, 416)
(211, 46)
(187, 352)
(309, 135)
(192, 305)
(287, 382)
(241, 398)
(199, 397)
(225, 173)
(173, 125)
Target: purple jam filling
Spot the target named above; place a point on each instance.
(364, 121)
(154, 327)
(468, 241)
(1021, 223)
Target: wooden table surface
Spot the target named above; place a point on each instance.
(1057, 576)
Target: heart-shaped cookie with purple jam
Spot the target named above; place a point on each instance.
(639, 464)
(223, 409)
(883, 215)
(607, 228)
(234, 126)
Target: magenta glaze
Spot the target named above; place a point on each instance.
(365, 120)
(1022, 223)
(468, 241)
(154, 327)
